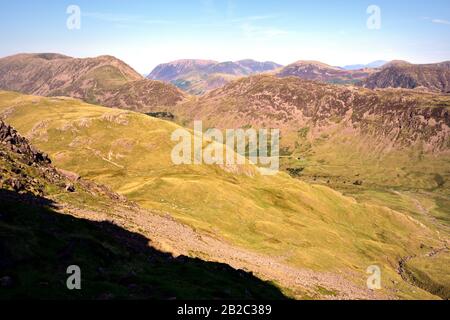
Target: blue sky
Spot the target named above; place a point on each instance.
(146, 33)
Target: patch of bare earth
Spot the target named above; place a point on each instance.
(168, 235)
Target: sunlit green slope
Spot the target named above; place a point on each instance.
(305, 225)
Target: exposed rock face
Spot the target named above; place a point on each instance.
(314, 70)
(400, 74)
(18, 158)
(103, 80)
(16, 143)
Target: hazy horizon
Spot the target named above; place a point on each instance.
(145, 34)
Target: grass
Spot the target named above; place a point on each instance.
(307, 225)
(430, 274)
(114, 263)
(38, 243)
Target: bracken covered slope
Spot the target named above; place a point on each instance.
(395, 119)
(399, 74)
(318, 71)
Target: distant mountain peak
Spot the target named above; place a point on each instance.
(371, 65)
(193, 61)
(313, 63)
(197, 76)
(319, 71)
(397, 63)
(433, 77)
(104, 79)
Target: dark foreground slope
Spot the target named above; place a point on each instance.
(40, 238)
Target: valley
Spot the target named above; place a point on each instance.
(363, 180)
(303, 225)
(203, 158)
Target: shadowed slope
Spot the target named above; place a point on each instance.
(37, 244)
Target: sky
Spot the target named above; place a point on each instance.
(147, 33)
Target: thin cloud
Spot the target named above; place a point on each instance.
(251, 31)
(441, 21)
(123, 19)
(437, 21)
(255, 18)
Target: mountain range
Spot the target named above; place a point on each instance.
(371, 65)
(102, 80)
(318, 71)
(364, 174)
(199, 76)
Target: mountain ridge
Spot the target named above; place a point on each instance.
(102, 80)
(198, 76)
(319, 71)
(371, 65)
(434, 77)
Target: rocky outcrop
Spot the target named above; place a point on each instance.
(18, 144)
(21, 163)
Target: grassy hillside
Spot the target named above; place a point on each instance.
(41, 235)
(306, 225)
(391, 147)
